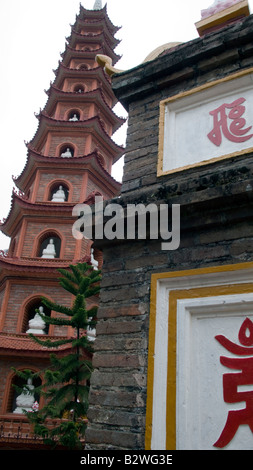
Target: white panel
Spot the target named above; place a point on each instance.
(201, 410)
(188, 122)
(163, 287)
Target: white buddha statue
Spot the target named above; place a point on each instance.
(74, 118)
(59, 195)
(25, 400)
(91, 334)
(37, 325)
(94, 262)
(66, 154)
(49, 252)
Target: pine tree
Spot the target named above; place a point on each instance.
(65, 384)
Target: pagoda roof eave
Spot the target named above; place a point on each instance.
(21, 206)
(63, 72)
(88, 14)
(34, 264)
(22, 345)
(93, 25)
(32, 268)
(71, 52)
(91, 37)
(37, 159)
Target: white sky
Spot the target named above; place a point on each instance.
(33, 35)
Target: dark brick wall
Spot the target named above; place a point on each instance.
(216, 228)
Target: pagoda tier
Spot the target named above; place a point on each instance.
(88, 103)
(71, 53)
(69, 161)
(79, 41)
(82, 138)
(37, 163)
(41, 204)
(96, 17)
(84, 79)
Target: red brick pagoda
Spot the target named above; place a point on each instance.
(69, 160)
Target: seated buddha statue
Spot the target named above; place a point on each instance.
(59, 195)
(49, 251)
(66, 154)
(37, 325)
(74, 118)
(25, 400)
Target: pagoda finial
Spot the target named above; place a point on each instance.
(98, 5)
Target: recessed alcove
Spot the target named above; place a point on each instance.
(83, 67)
(14, 393)
(66, 151)
(73, 115)
(59, 192)
(44, 243)
(29, 313)
(79, 88)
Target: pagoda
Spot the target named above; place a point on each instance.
(69, 161)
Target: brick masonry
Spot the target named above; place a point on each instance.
(216, 227)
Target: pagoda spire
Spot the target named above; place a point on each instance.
(98, 5)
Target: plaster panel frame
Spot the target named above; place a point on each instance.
(172, 107)
(167, 291)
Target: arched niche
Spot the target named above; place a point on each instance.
(29, 312)
(73, 115)
(83, 66)
(79, 88)
(58, 192)
(66, 150)
(12, 393)
(49, 245)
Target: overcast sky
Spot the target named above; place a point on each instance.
(33, 34)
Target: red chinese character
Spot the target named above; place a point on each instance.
(233, 132)
(231, 381)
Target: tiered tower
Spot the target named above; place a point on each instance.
(69, 160)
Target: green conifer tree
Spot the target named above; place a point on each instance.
(65, 384)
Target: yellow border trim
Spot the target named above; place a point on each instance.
(171, 369)
(174, 295)
(163, 104)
